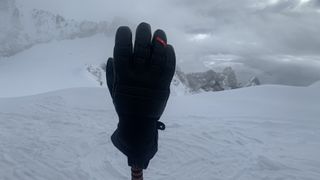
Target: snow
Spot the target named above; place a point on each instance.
(263, 132)
(53, 66)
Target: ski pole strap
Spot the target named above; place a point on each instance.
(161, 125)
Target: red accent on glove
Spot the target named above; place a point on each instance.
(161, 41)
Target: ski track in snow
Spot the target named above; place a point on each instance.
(65, 135)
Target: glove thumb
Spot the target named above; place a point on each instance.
(110, 75)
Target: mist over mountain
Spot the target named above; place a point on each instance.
(275, 41)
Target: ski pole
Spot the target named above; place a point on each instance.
(136, 173)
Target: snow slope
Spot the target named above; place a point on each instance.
(264, 132)
(53, 66)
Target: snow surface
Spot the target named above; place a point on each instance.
(264, 132)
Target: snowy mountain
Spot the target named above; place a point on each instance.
(20, 31)
(12, 39)
(254, 81)
(210, 80)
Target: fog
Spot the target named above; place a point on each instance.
(275, 37)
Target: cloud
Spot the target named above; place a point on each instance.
(257, 31)
(262, 33)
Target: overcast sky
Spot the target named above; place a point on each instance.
(274, 36)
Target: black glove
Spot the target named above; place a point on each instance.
(139, 82)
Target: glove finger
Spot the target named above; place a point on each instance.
(170, 65)
(110, 75)
(159, 44)
(142, 45)
(122, 51)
